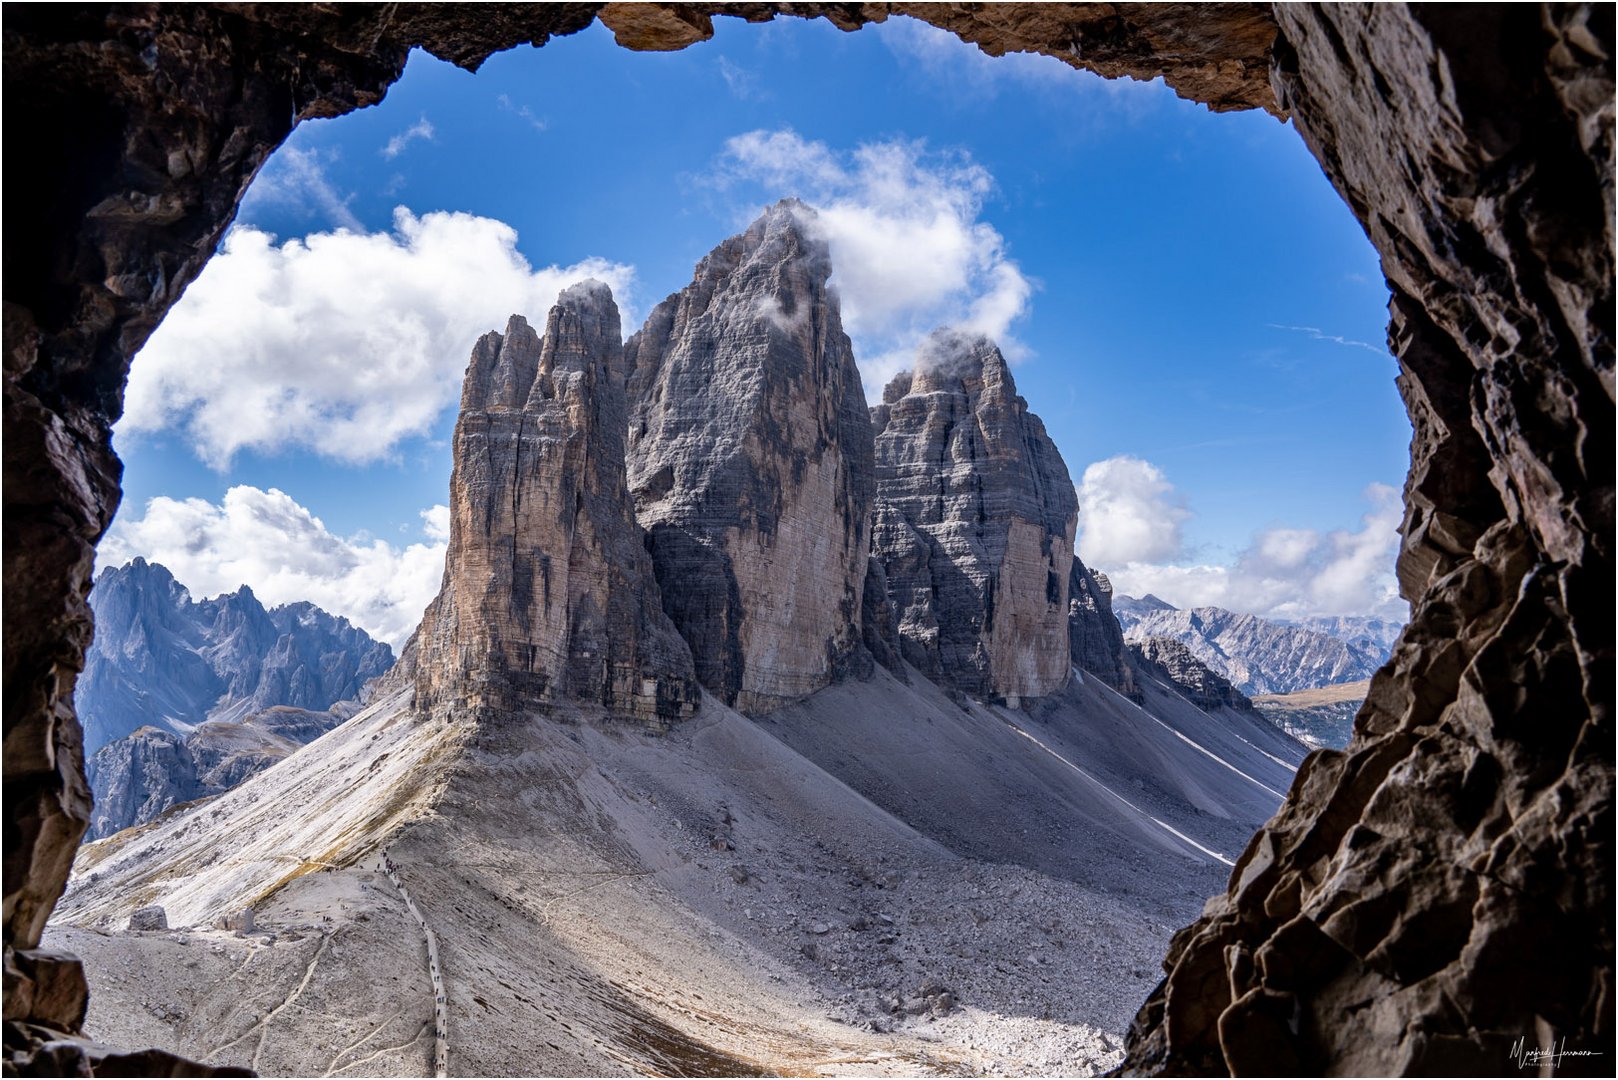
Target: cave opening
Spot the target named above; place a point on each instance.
(1470, 540)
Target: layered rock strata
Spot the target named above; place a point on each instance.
(1203, 687)
(1095, 639)
(974, 524)
(548, 590)
(750, 461)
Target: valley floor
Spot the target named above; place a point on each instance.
(876, 881)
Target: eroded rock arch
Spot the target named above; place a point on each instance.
(1439, 889)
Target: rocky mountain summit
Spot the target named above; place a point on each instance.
(548, 590)
(974, 523)
(750, 462)
(163, 660)
(1259, 656)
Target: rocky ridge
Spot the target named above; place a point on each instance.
(548, 591)
(1258, 656)
(1175, 663)
(749, 451)
(974, 523)
(161, 659)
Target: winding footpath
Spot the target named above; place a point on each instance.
(440, 997)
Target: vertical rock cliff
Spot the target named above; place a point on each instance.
(1095, 638)
(548, 591)
(750, 460)
(974, 523)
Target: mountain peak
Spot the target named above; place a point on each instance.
(749, 434)
(975, 512)
(547, 592)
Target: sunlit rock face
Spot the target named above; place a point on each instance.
(974, 524)
(750, 461)
(548, 591)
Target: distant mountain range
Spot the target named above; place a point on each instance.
(181, 699)
(1265, 656)
(162, 659)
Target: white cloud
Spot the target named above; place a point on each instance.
(1317, 334)
(295, 180)
(1130, 518)
(909, 250)
(742, 83)
(435, 522)
(1129, 512)
(267, 541)
(536, 122)
(345, 342)
(421, 129)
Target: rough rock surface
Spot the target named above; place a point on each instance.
(161, 659)
(138, 777)
(1258, 656)
(1474, 144)
(974, 524)
(548, 591)
(1095, 638)
(1447, 879)
(1170, 659)
(749, 452)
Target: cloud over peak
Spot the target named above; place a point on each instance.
(284, 553)
(908, 246)
(341, 342)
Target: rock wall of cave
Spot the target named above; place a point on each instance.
(1441, 887)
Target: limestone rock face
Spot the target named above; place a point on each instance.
(1095, 639)
(548, 591)
(1203, 687)
(750, 461)
(879, 623)
(138, 777)
(974, 523)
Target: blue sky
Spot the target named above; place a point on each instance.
(1190, 307)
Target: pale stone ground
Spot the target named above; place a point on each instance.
(710, 902)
